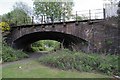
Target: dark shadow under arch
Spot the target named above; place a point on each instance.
(66, 39)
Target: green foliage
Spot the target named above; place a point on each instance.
(109, 42)
(19, 15)
(9, 54)
(4, 26)
(23, 6)
(45, 45)
(82, 62)
(55, 8)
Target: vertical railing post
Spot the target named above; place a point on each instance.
(52, 18)
(41, 19)
(76, 19)
(63, 17)
(64, 24)
(44, 18)
(32, 19)
(89, 14)
(27, 20)
(76, 16)
(104, 13)
(24, 21)
(60, 18)
(16, 22)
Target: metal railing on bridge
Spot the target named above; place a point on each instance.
(75, 16)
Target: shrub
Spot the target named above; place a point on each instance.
(82, 62)
(4, 26)
(9, 54)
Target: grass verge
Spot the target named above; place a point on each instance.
(33, 69)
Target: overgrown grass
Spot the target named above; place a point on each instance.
(80, 61)
(9, 54)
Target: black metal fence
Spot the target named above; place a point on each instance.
(75, 16)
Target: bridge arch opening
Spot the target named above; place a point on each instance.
(69, 41)
(45, 45)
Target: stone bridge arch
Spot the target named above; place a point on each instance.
(68, 40)
(71, 34)
(96, 33)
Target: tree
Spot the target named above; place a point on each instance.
(7, 17)
(19, 15)
(23, 6)
(53, 10)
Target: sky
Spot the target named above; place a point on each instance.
(7, 5)
(88, 4)
(79, 5)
